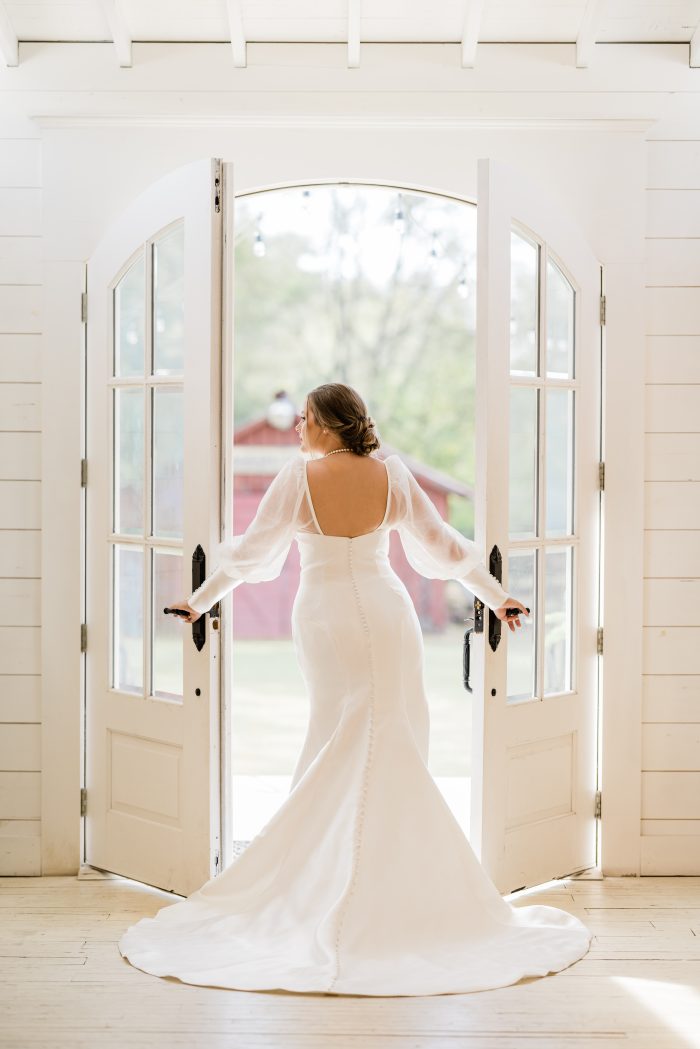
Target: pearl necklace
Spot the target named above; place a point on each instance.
(336, 450)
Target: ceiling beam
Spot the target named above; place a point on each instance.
(695, 47)
(585, 41)
(119, 30)
(354, 33)
(470, 31)
(237, 33)
(9, 47)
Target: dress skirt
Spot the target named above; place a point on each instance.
(362, 882)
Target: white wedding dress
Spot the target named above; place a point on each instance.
(363, 881)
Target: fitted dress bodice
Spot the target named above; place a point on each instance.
(341, 555)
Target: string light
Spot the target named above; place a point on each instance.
(399, 223)
(399, 220)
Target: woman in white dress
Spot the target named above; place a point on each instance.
(363, 881)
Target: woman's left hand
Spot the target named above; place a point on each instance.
(512, 621)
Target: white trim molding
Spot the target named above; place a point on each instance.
(77, 120)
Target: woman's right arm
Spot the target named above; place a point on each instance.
(259, 553)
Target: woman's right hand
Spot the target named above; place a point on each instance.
(512, 621)
(192, 617)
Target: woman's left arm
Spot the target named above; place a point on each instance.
(437, 550)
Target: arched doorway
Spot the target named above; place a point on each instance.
(375, 286)
(157, 760)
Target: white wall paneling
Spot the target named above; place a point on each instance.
(673, 552)
(670, 771)
(20, 498)
(616, 142)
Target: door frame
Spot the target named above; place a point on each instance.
(227, 443)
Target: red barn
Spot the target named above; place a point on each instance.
(264, 610)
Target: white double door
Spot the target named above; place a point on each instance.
(158, 357)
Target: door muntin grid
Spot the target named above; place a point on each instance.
(146, 458)
(542, 555)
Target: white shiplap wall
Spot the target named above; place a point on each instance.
(84, 79)
(671, 711)
(20, 498)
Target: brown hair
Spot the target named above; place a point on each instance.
(340, 409)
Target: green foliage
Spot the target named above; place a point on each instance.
(317, 307)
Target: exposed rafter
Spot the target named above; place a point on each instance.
(695, 47)
(118, 28)
(9, 47)
(237, 32)
(470, 32)
(354, 33)
(585, 41)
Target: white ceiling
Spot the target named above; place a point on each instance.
(469, 22)
(618, 21)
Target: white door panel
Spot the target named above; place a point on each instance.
(153, 453)
(537, 435)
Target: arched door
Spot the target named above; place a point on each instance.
(155, 494)
(152, 498)
(537, 436)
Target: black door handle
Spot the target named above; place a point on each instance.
(478, 628)
(199, 574)
(496, 569)
(466, 654)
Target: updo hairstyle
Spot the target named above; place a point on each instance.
(341, 410)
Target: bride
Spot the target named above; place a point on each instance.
(363, 881)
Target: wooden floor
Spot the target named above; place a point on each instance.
(64, 983)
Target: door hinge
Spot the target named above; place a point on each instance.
(83, 801)
(598, 804)
(601, 476)
(83, 306)
(599, 641)
(83, 637)
(83, 472)
(217, 189)
(602, 309)
(216, 862)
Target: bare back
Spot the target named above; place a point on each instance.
(349, 497)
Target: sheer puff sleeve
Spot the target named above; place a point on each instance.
(433, 547)
(260, 552)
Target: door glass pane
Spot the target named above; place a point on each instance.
(129, 320)
(558, 633)
(128, 451)
(523, 305)
(521, 649)
(127, 618)
(523, 462)
(168, 630)
(169, 303)
(168, 457)
(560, 457)
(560, 324)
